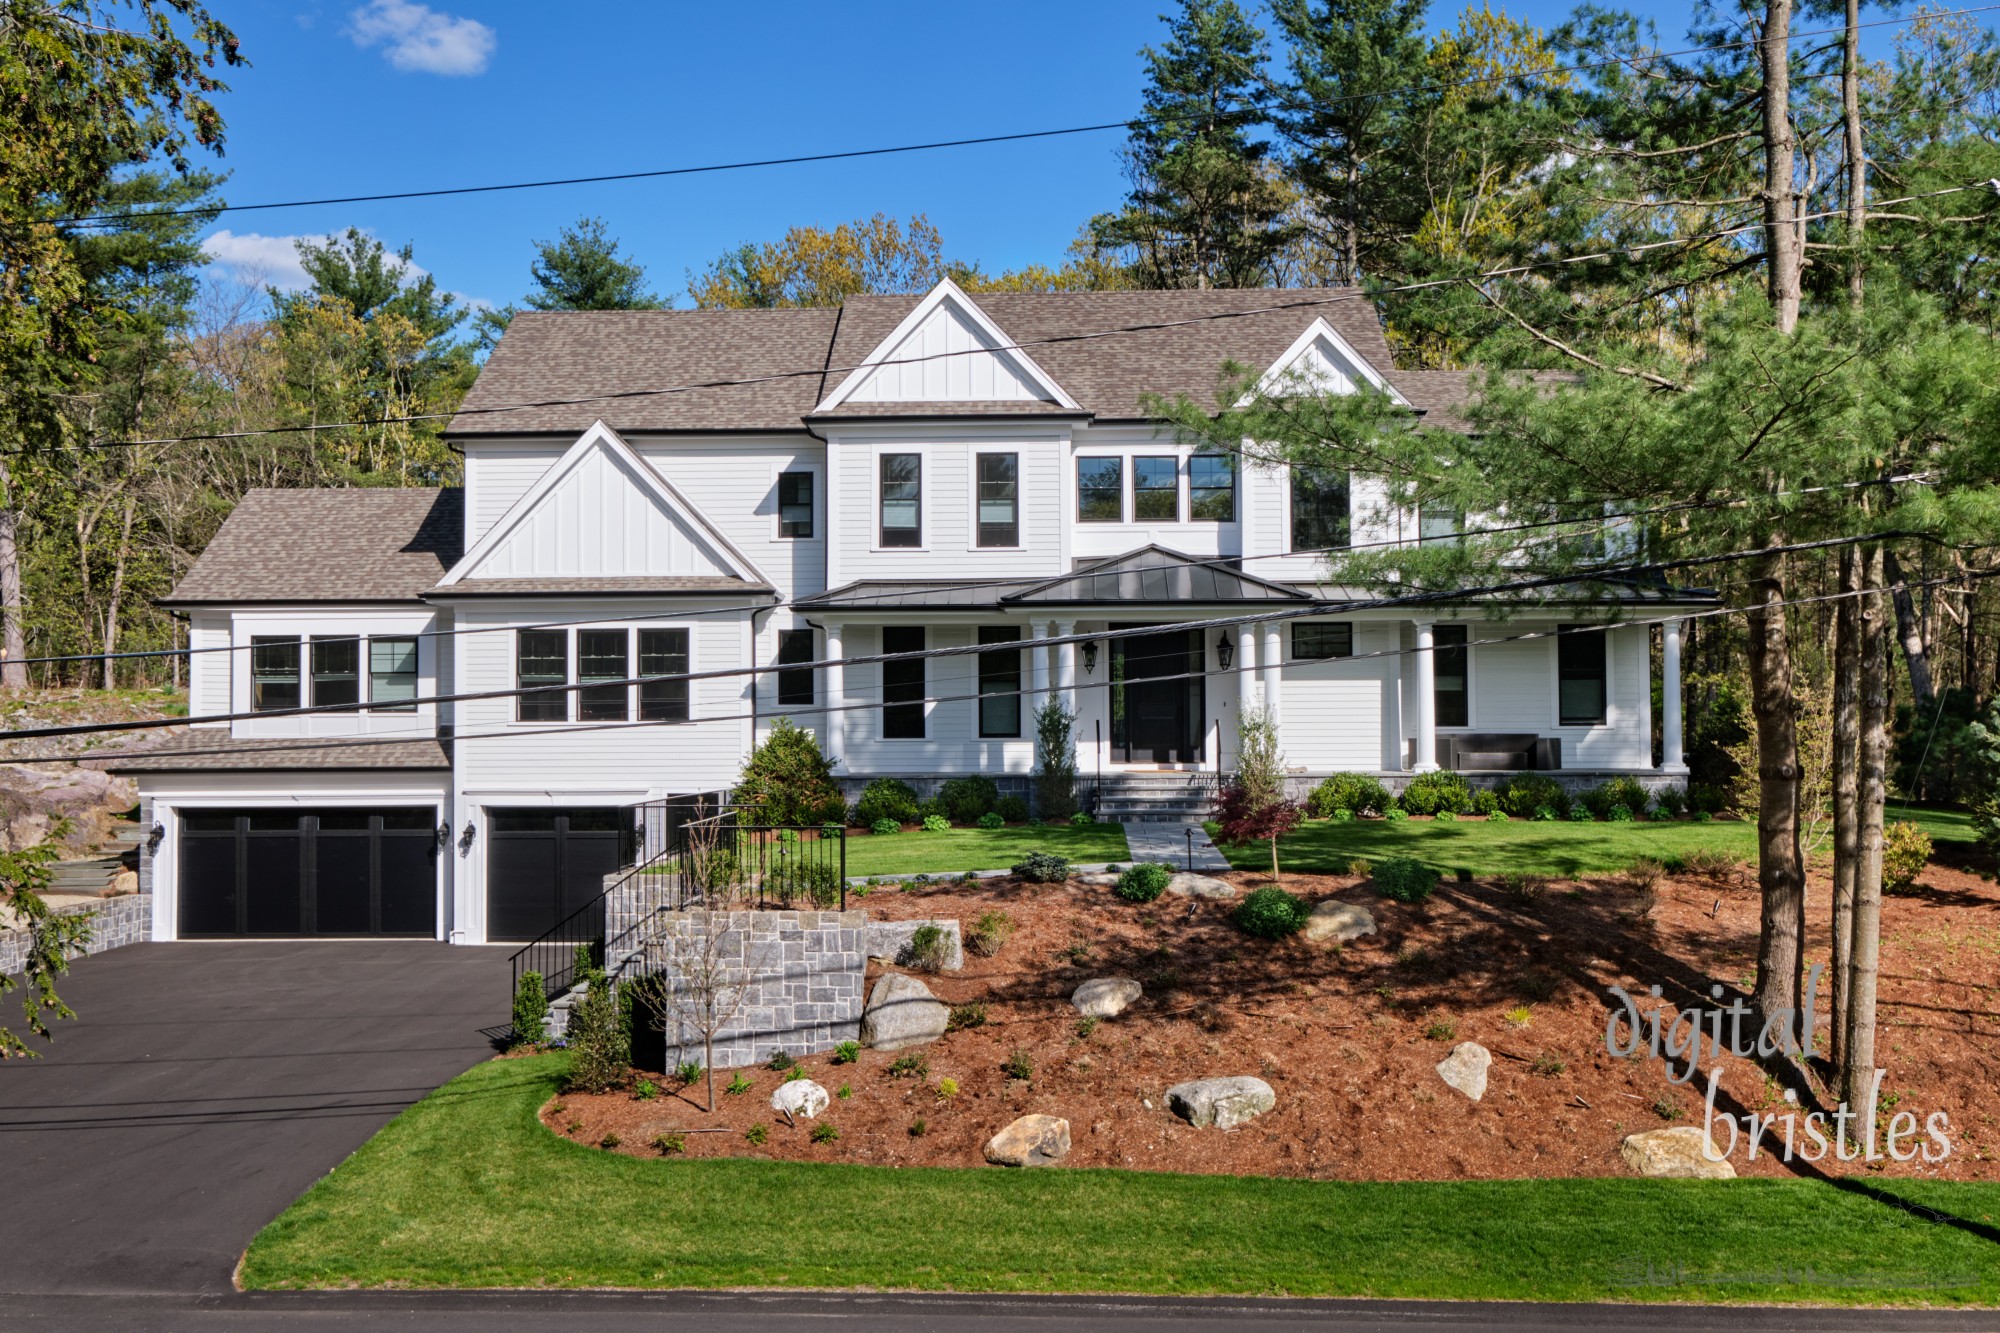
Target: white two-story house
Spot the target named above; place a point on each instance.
(677, 526)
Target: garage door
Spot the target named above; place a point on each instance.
(544, 865)
(309, 872)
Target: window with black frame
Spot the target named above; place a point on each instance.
(902, 499)
(999, 499)
(1212, 488)
(795, 504)
(1322, 518)
(602, 669)
(903, 684)
(336, 672)
(1156, 490)
(663, 652)
(795, 687)
(1000, 682)
(541, 658)
(274, 673)
(392, 675)
(1580, 675)
(1313, 640)
(1451, 663)
(1100, 490)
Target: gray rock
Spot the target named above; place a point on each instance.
(1106, 997)
(1098, 878)
(800, 1097)
(901, 1012)
(1673, 1153)
(1465, 1068)
(1187, 884)
(1339, 921)
(890, 942)
(1222, 1102)
(1033, 1140)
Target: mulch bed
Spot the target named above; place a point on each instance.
(1349, 1036)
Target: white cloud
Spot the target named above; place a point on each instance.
(273, 260)
(417, 38)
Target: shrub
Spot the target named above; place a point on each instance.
(1354, 793)
(1271, 913)
(600, 1051)
(1619, 814)
(928, 949)
(689, 1072)
(1055, 762)
(609, 1141)
(1485, 802)
(1252, 806)
(847, 1053)
(1601, 799)
(919, 1128)
(1671, 800)
(1707, 862)
(1547, 1066)
(531, 1008)
(912, 1065)
(757, 1134)
(1016, 1066)
(1524, 888)
(1405, 879)
(989, 932)
(1428, 793)
(779, 1061)
(1361, 866)
(844, 1091)
(1342, 816)
(1012, 809)
(947, 1088)
(1498, 817)
(1905, 851)
(668, 1145)
(936, 824)
(966, 799)
(1144, 883)
(884, 827)
(1394, 813)
(789, 780)
(886, 798)
(738, 1085)
(1545, 812)
(824, 1132)
(791, 880)
(1448, 816)
(1042, 868)
(964, 1016)
(992, 819)
(1081, 819)
(1526, 795)
(1580, 814)
(1442, 1029)
(929, 810)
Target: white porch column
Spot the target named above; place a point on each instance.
(833, 731)
(1672, 760)
(1246, 671)
(1427, 732)
(1038, 673)
(1066, 665)
(1273, 665)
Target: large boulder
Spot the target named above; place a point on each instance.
(1033, 1140)
(1339, 921)
(901, 1012)
(1465, 1068)
(1187, 884)
(800, 1097)
(1673, 1153)
(889, 941)
(1106, 997)
(1221, 1102)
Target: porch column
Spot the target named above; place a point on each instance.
(1246, 671)
(1427, 732)
(1672, 760)
(832, 726)
(1038, 672)
(1273, 663)
(1066, 664)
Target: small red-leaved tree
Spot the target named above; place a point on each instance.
(1252, 804)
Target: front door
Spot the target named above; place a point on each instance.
(543, 865)
(1157, 692)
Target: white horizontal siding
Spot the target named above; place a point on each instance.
(949, 547)
(951, 743)
(1333, 710)
(208, 669)
(306, 623)
(734, 483)
(496, 475)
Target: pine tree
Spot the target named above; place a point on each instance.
(582, 270)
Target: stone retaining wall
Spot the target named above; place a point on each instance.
(801, 975)
(115, 922)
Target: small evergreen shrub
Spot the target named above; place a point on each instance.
(779, 1060)
(757, 1135)
(992, 819)
(1671, 800)
(1580, 814)
(531, 1009)
(989, 933)
(789, 780)
(824, 1132)
(962, 1016)
(1429, 793)
(1628, 792)
(929, 810)
(886, 798)
(1405, 879)
(965, 799)
(1484, 803)
(1906, 849)
(791, 881)
(1525, 795)
(1271, 913)
(884, 827)
(928, 949)
(1353, 793)
(1042, 868)
(936, 824)
(1081, 819)
(1012, 809)
(600, 1053)
(1144, 883)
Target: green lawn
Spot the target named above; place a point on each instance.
(919, 853)
(1530, 847)
(467, 1189)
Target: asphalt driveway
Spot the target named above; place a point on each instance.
(203, 1086)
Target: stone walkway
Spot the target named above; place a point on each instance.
(1158, 841)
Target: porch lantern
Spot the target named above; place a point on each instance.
(155, 836)
(1225, 651)
(465, 838)
(444, 833)
(1089, 656)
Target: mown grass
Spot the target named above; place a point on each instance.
(1529, 846)
(915, 852)
(467, 1189)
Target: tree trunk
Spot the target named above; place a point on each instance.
(1864, 967)
(1857, 156)
(1846, 790)
(117, 596)
(1781, 238)
(14, 636)
(1923, 692)
(1780, 868)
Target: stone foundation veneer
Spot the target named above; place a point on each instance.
(115, 922)
(805, 990)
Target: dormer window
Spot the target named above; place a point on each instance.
(902, 500)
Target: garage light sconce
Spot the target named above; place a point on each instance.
(155, 836)
(1225, 651)
(465, 838)
(444, 833)
(1089, 656)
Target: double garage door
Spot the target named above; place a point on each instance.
(309, 872)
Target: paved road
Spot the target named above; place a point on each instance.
(203, 1086)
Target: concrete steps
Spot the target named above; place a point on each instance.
(1177, 798)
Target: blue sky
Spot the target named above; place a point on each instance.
(360, 96)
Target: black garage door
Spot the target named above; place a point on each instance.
(543, 865)
(309, 872)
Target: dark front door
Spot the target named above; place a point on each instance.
(1157, 713)
(544, 865)
(309, 872)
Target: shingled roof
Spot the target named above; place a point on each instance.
(352, 545)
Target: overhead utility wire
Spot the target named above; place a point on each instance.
(802, 159)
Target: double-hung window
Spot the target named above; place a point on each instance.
(274, 673)
(602, 670)
(1580, 692)
(902, 499)
(1156, 490)
(1315, 639)
(1000, 682)
(392, 675)
(1100, 490)
(795, 504)
(999, 499)
(1439, 522)
(795, 687)
(1321, 516)
(541, 658)
(336, 671)
(1212, 488)
(903, 684)
(1452, 677)
(663, 652)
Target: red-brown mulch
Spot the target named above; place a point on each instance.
(1348, 1037)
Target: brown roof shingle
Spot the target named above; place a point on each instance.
(332, 545)
(207, 750)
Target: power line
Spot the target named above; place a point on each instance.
(939, 144)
